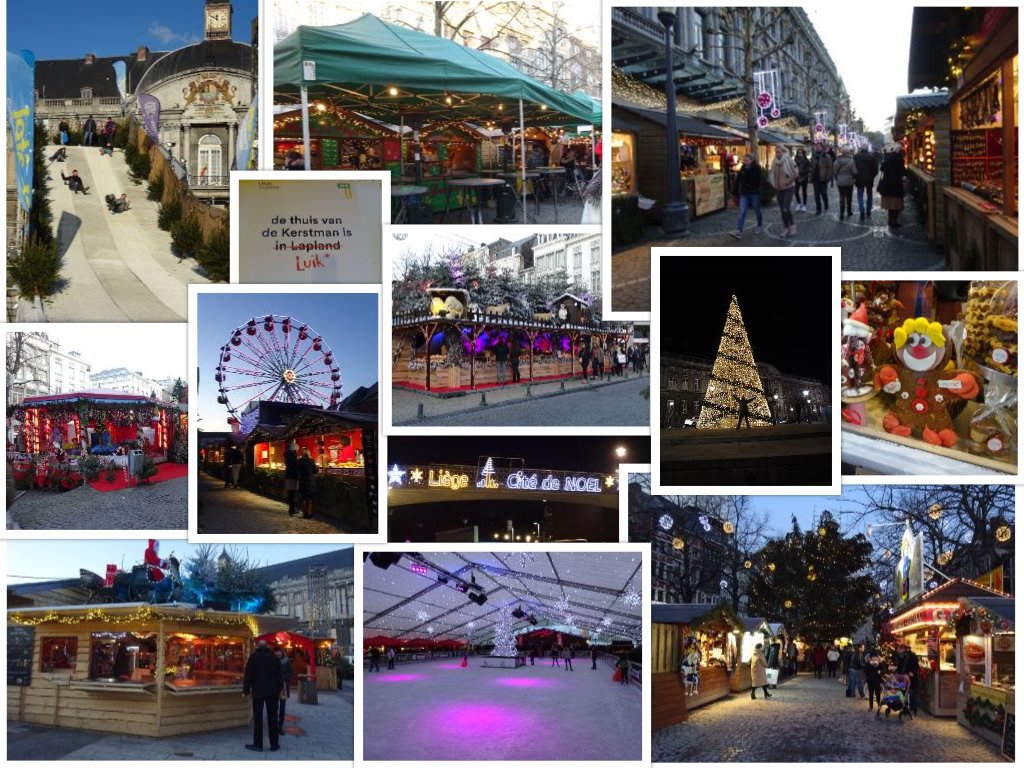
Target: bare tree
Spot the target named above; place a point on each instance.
(757, 45)
(26, 364)
(452, 16)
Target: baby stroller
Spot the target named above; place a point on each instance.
(895, 692)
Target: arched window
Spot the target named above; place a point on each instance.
(210, 160)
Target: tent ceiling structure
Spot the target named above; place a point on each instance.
(599, 591)
(384, 70)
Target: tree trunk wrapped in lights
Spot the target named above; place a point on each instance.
(504, 639)
(734, 376)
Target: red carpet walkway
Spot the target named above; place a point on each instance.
(164, 471)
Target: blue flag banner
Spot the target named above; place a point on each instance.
(246, 134)
(149, 107)
(21, 114)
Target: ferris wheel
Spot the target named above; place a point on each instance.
(280, 359)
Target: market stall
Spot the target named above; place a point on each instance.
(405, 77)
(444, 351)
(922, 127)
(639, 154)
(981, 201)
(133, 668)
(693, 655)
(342, 444)
(447, 150)
(340, 139)
(946, 403)
(984, 628)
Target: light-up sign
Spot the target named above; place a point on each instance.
(487, 476)
(442, 478)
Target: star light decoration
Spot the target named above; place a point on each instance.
(705, 523)
(395, 475)
(609, 481)
(524, 558)
(666, 522)
(563, 609)
(416, 475)
(728, 527)
(1003, 534)
(421, 616)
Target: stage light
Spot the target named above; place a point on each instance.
(459, 586)
(532, 620)
(419, 568)
(518, 613)
(442, 579)
(478, 599)
(385, 560)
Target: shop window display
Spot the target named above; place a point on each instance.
(58, 654)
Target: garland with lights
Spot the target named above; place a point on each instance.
(141, 614)
(734, 373)
(963, 619)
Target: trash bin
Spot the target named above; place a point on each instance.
(135, 457)
(504, 205)
(307, 691)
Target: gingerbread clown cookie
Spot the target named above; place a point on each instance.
(922, 386)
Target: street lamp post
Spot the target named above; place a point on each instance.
(675, 213)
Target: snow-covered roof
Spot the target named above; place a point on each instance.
(600, 592)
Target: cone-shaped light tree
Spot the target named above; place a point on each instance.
(734, 376)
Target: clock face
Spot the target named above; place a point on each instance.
(218, 19)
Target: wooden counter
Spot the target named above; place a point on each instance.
(942, 687)
(973, 240)
(1001, 244)
(714, 685)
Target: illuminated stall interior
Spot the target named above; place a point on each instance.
(339, 139)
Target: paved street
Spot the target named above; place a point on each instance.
(115, 267)
(867, 245)
(233, 510)
(618, 403)
(312, 732)
(160, 506)
(810, 720)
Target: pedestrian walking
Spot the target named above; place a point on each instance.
(391, 658)
(513, 357)
(307, 482)
(821, 177)
(907, 664)
(891, 186)
(235, 460)
(854, 676)
(783, 177)
(758, 673)
(554, 657)
(873, 679)
(818, 659)
(501, 361)
(845, 172)
(336, 659)
(593, 657)
(803, 166)
(286, 687)
(832, 659)
(291, 476)
(597, 361)
(867, 169)
(567, 658)
(533, 655)
(773, 656)
(89, 132)
(262, 680)
(793, 653)
(109, 130)
(585, 360)
(374, 659)
(748, 191)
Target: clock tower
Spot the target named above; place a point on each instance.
(218, 20)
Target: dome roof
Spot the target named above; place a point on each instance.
(206, 54)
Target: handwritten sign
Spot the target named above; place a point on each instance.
(19, 655)
(309, 231)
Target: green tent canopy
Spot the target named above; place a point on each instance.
(384, 70)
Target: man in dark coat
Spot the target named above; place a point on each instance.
(907, 664)
(263, 681)
(501, 360)
(744, 403)
(867, 170)
(89, 132)
(821, 176)
(74, 182)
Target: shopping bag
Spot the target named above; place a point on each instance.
(773, 677)
(617, 677)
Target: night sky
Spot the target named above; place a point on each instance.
(593, 453)
(787, 304)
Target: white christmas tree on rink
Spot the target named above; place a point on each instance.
(734, 375)
(504, 640)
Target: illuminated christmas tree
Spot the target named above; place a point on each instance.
(504, 640)
(487, 476)
(734, 376)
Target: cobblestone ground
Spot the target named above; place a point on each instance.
(615, 403)
(311, 732)
(233, 510)
(810, 720)
(160, 506)
(866, 245)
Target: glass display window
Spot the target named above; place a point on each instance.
(623, 163)
(204, 660)
(58, 654)
(122, 657)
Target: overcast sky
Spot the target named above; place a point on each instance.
(156, 349)
(870, 48)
